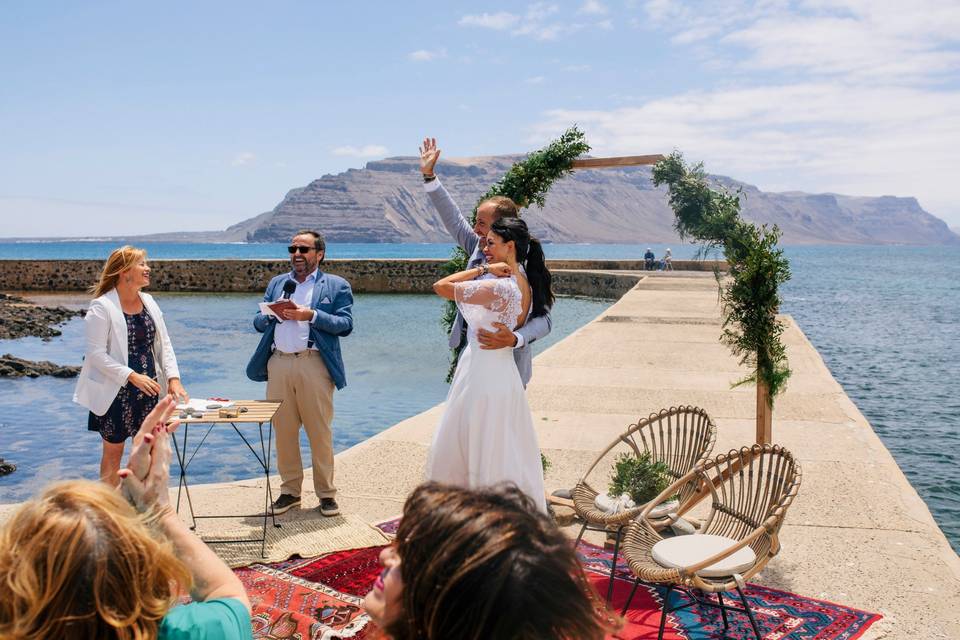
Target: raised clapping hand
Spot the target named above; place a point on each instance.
(145, 479)
(429, 154)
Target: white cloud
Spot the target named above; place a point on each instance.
(865, 39)
(243, 158)
(535, 80)
(541, 21)
(594, 7)
(366, 151)
(812, 136)
(424, 55)
(576, 68)
(499, 21)
(853, 96)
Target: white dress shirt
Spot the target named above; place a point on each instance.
(292, 336)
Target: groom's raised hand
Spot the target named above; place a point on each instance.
(429, 154)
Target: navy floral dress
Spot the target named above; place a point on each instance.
(124, 417)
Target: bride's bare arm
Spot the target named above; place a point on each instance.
(445, 289)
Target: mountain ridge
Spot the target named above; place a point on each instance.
(385, 202)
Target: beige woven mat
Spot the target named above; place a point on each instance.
(305, 537)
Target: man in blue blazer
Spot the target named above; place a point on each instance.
(299, 357)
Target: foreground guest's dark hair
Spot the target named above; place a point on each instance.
(481, 564)
(530, 254)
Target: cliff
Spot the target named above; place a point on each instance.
(384, 202)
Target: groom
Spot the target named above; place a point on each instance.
(472, 240)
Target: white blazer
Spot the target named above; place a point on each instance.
(105, 369)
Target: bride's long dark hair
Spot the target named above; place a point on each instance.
(530, 255)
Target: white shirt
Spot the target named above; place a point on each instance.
(292, 336)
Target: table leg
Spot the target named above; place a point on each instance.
(268, 492)
(182, 485)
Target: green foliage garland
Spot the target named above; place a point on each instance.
(750, 295)
(526, 183)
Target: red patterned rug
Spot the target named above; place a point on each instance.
(312, 598)
(320, 599)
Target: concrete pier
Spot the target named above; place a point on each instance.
(858, 533)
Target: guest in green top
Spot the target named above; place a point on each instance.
(79, 562)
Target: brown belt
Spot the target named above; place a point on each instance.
(295, 354)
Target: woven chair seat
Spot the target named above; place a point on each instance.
(684, 551)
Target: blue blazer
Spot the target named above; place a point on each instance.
(333, 301)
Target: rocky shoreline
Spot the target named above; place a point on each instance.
(20, 318)
(13, 367)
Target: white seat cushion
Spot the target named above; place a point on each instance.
(685, 551)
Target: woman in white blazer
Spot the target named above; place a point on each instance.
(129, 361)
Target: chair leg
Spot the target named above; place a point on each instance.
(746, 607)
(636, 583)
(723, 611)
(663, 613)
(580, 535)
(613, 566)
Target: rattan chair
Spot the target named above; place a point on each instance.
(681, 437)
(750, 490)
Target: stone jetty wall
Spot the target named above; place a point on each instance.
(595, 278)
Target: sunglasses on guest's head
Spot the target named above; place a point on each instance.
(295, 248)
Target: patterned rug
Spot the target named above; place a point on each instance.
(320, 599)
(780, 615)
(312, 598)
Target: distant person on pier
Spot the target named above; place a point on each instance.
(473, 239)
(129, 361)
(668, 260)
(649, 260)
(299, 358)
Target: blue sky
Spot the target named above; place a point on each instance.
(120, 117)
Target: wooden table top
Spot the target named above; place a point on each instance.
(258, 411)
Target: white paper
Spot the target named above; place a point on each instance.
(267, 311)
(200, 404)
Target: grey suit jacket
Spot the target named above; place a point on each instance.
(463, 235)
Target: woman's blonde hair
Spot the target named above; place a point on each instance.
(79, 562)
(119, 261)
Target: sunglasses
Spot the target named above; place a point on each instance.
(295, 248)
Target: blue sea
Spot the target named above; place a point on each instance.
(885, 319)
(99, 250)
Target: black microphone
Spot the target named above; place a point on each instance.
(288, 288)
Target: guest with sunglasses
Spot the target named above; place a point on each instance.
(299, 358)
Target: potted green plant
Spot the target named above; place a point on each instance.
(642, 480)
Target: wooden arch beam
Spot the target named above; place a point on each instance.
(619, 161)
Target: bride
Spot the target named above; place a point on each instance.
(486, 433)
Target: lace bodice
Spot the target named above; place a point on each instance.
(486, 301)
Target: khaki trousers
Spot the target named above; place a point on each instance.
(301, 381)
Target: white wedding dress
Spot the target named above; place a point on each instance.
(486, 434)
